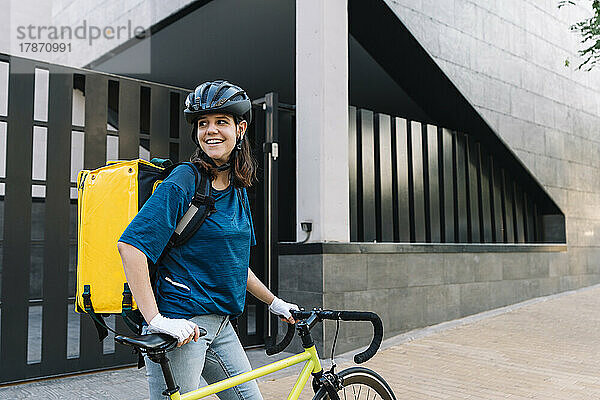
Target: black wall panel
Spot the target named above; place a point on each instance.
(368, 175)
(485, 197)
(433, 158)
(56, 245)
(436, 185)
(402, 183)
(507, 204)
(17, 221)
(353, 173)
(497, 202)
(446, 156)
(159, 122)
(186, 145)
(418, 190)
(385, 204)
(129, 119)
(96, 105)
(519, 214)
(474, 220)
(461, 214)
(529, 219)
(96, 109)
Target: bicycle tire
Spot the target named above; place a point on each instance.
(360, 383)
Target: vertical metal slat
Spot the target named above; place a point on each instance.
(402, 191)
(519, 214)
(368, 175)
(416, 134)
(537, 224)
(270, 178)
(486, 212)
(434, 183)
(449, 195)
(186, 145)
(529, 219)
(56, 245)
(507, 204)
(159, 122)
(461, 213)
(17, 220)
(129, 119)
(96, 93)
(386, 221)
(353, 171)
(497, 208)
(474, 217)
(96, 106)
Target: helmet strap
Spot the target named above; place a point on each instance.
(206, 157)
(224, 167)
(219, 168)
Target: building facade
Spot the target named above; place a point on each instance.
(445, 155)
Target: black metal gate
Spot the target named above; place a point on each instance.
(55, 121)
(275, 139)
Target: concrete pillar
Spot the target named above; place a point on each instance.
(322, 119)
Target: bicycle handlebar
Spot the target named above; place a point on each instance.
(279, 347)
(336, 315)
(377, 332)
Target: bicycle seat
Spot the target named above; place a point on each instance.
(150, 342)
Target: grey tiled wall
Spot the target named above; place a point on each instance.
(413, 290)
(508, 59)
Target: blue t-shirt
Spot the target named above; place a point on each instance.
(207, 274)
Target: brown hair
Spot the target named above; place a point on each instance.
(243, 165)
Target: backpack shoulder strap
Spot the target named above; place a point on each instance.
(202, 205)
(167, 171)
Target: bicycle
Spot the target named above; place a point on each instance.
(326, 384)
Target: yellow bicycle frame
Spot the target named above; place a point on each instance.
(312, 365)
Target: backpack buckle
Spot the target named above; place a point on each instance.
(127, 303)
(202, 199)
(87, 299)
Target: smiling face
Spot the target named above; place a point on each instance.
(217, 135)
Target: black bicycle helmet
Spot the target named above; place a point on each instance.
(218, 96)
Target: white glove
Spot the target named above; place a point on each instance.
(178, 328)
(281, 308)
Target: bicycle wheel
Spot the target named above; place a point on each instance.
(360, 384)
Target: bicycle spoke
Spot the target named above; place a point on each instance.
(357, 392)
(362, 384)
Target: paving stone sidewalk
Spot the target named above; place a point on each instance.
(545, 348)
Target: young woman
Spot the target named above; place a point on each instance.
(203, 282)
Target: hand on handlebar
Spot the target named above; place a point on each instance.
(281, 308)
(309, 319)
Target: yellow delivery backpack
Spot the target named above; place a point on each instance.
(108, 199)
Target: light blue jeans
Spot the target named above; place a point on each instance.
(214, 357)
